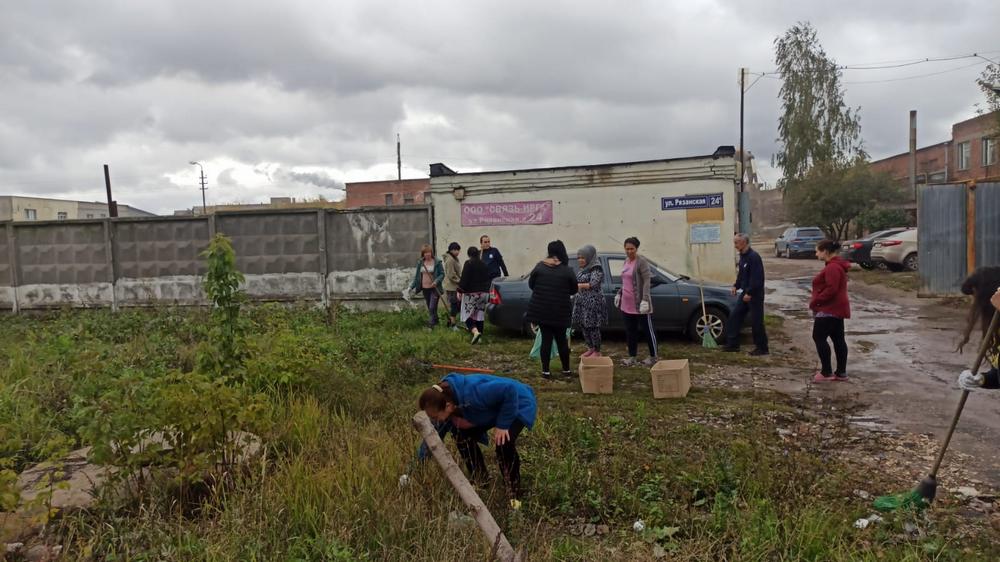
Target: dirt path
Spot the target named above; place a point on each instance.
(902, 361)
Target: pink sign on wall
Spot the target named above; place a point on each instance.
(514, 212)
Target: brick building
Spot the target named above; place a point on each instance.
(975, 148)
(932, 165)
(387, 193)
(971, 154)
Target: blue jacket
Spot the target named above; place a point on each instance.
(494, 261)
(487, 401)
(751, 274)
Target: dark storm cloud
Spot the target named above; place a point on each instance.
(319, 89)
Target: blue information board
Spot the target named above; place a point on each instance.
(706, 233)
(706, 201)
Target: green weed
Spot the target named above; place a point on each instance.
(332, 401)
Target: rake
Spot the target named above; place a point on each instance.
(924, 493)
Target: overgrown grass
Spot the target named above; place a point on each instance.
(908, 281)
(709, 475)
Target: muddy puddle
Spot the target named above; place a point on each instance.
(902, 362)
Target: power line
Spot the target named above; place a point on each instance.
(899, 79)
(883, 66)
(902, 78)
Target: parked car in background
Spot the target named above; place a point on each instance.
(676, 301)
(897, 252)
(797, 241)
(860, 251)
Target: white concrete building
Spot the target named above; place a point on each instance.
(21, 208)
(683, 210)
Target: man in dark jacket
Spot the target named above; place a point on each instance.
(552, 285)
(749, 287)
(492, 258)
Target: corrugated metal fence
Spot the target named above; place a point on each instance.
(317, 255)
(949, 250)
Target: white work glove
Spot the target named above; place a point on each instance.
(644, 307)
(618, 300)
(968, 381)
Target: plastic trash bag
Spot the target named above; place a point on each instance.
(536, 348)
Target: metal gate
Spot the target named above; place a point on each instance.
(987, 224)
(941, 243)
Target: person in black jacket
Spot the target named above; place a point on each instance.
(492, 258)
(749, 287)
(475, 288)
(552, 285)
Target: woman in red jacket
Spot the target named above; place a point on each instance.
(830, 308)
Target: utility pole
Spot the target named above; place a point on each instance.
(913, 153)
(743, 90)
(399, 160)
(112, 204)
(204, 207)
(744, 198)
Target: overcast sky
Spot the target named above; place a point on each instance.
(294, 98)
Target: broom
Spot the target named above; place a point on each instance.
(924, 493)
(707, 339)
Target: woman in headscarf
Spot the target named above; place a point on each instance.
(590, 313)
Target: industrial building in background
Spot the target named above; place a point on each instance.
(683, 210)
(389, 193)
(970, 154)
(22, 208)
(276, 203)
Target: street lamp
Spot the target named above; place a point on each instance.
(204, 208)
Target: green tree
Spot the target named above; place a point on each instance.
(873, 220)
(815, 126)
(832, 196)
(222, 285)
(989, 79)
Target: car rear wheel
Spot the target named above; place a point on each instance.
(911, 262)
(714, 320)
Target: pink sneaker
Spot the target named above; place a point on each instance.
(820, 377)
(595, 353)
(587, 353)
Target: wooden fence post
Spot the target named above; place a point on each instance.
(494, 536)
(970, 226)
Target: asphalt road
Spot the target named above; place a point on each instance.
(902, 360)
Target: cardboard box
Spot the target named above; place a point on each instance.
(597, 375)
(671, 378)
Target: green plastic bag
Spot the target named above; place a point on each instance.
(536, 348)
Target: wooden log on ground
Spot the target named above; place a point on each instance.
(494, 536)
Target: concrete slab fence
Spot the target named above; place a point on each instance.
(362, 257)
